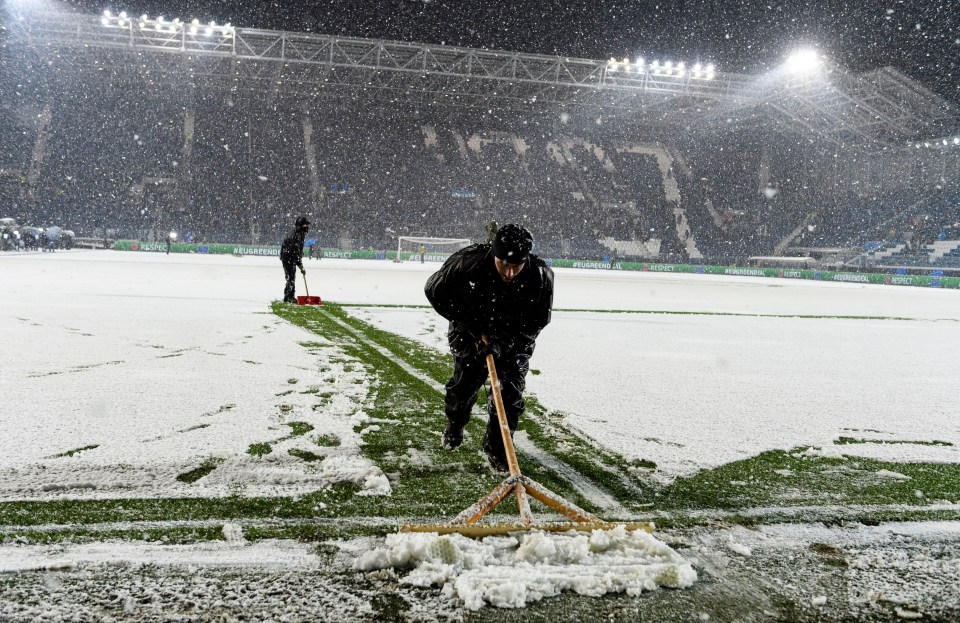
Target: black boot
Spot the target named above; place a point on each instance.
(496, 455)
(452, 436)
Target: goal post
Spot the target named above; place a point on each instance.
(435, 249)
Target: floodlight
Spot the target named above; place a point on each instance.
(159, 19)
(710, 68)
(105, 21)
(106, 12)
(640, 61)
(803, 62)
(668, 65)
(173, 235)
(208, 31)
(956, 141)
(698, 68)
(144, 17)
(213, 23)
(195, 22)
(123, 15)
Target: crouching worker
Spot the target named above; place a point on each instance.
(502, 291)
(291, 256)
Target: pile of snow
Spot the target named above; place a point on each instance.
(512, 571)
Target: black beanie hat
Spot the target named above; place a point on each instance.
(512, 243)
(302, 221)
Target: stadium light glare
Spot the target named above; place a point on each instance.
(105, 21)
(106, 12)
(123, 15)
(956, 141)
(208, 31)
(195, 22)
(803, 62)
(698, 68)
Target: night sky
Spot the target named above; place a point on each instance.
(919, 37)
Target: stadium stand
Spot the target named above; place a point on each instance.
(144, 149)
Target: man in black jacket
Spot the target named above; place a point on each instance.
(502, 291)
(291, 256)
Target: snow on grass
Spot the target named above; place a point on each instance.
(691, 392)
(144, 368)
(513, 571)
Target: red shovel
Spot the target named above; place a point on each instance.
(307, 300)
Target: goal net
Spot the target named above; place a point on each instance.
(432, 249)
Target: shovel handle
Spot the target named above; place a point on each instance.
(305, 287)
(501, 414)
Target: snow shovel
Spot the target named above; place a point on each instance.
(466, 522)
(307, 300)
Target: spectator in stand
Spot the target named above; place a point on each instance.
(492, 228)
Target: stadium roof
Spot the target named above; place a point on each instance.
(879, 108)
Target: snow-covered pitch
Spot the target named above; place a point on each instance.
(136, 366)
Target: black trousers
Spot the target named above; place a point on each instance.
(290, 288)
(469, 373)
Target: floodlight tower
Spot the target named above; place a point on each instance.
(803, 62)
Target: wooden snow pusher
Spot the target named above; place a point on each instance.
(466, 522)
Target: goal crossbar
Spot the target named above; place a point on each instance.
(462, 242)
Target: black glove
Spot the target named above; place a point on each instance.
(494, 346)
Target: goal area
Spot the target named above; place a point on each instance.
(434, 249)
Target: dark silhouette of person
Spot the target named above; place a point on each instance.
(291, 257)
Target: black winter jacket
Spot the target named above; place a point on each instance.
(291, 251)
(468, 291)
